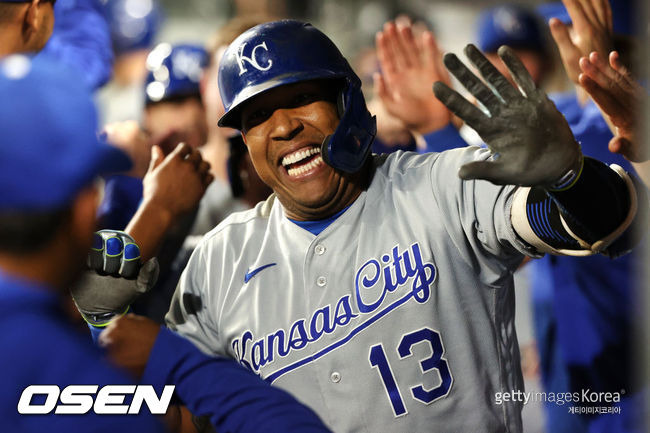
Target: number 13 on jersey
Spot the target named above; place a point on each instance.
(435, 362)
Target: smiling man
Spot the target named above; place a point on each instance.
(378, 290)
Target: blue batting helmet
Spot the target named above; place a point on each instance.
(285, 52)
(512, 25)
(133, 23)
(174, 71)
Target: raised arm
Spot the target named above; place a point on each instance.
(618, 96)
(568, 204)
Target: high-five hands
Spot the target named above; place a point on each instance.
(531, 140)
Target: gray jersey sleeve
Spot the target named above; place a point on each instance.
(188, 312)
(477, 216)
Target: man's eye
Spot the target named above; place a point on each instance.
(304, 98)
(258, 116)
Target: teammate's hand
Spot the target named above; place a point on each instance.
(618, 96)
(533, 141)
(114, 279)
(175, 184)
(129, 340)
(592, 31)
(409, 67)
(129, 137)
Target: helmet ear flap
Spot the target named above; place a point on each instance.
(348, 148)
(340, 103)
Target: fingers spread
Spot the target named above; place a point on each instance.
(490, 73)
(432, 56)
(517, 70)
(471, 82)
(407, 45)
(458, 105)
(394, 46)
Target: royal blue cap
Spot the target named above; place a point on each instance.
(510, 25)
(49, 148)
(622, 14)
(174, 71)
(554, 10)
(134, 24)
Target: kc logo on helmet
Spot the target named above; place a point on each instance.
(252, 60)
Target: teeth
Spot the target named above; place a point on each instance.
(305, 168)
(299, 155)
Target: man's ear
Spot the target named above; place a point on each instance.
(30, 19)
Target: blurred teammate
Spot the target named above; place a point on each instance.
(47, 217)
(134, 26)
(174, 112)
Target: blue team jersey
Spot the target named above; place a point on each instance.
(39, 347)
(583, 305)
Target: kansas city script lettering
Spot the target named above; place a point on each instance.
(373, 281)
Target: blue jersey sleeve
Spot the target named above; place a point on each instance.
(443, 139)
(232, 397)
(122, 196)
(81, 39)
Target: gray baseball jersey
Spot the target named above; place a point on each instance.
(398, 317)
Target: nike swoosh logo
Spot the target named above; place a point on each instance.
(254, 272)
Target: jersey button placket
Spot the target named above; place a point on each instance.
(335, 377)
(319, 249)
(321, 281)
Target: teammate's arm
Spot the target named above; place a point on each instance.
(234, 399)
(571, 204)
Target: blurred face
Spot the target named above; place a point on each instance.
(532, 60)
(211, 96)
(284, 129)
(172, 122)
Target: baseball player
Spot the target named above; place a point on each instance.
(47, 215)
(378, 291)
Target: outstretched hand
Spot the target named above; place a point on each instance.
(592, 31)
(531, 140)
(618, 96)
(410, 65)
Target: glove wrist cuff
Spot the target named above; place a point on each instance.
(101, 320)
(568, 179)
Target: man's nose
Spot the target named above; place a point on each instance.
(285, 124)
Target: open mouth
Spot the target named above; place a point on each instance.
(302, 161)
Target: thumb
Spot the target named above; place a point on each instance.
(624, 147)
(148, 275)
(487, 170)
